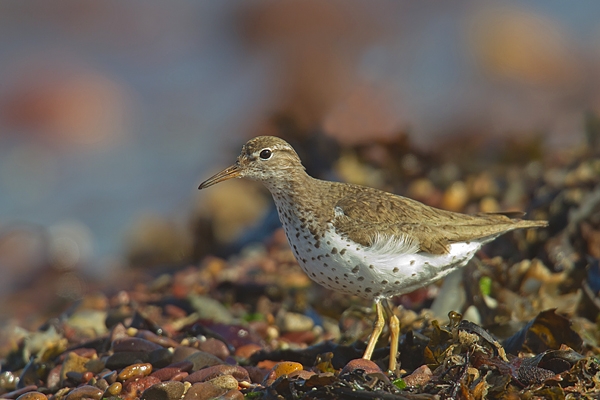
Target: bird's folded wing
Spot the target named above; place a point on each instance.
(370, 218)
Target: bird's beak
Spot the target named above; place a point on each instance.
(232, 172)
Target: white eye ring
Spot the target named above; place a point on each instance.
(265, 154)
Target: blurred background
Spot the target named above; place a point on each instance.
(112, 113)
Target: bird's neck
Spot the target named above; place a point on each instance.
(296, 190)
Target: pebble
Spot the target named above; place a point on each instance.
(53, 379)
(244, 352)
(225, 381)
(202, 359)
(183, 352)
(134, 344)
(162, 341)
(170, 390)
(203, 391)
(32, 396)
(95, 365)
(102, 384)
(214, 347)
(137, 385)
(294, 322)
(418, 377)
(170, 371)
(126, 358)
(367, 365)
(257, 375)
(233, 394)
(85, 392)
(16, 393)
(286, 368)
(302, 374)
(135, 370)
(160, 357)
(209, 373)
(73, 363)
(114, 389)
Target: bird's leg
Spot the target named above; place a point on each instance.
(394, 335)
(377, 328)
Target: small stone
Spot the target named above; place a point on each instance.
(257, 375)
(181, 353)
(160, 358)
(294, 322)
(95, 365)
(360, 363)
(32, 396)
(126, 358)
(114, 389)
(134, 344)
(73, 363)
(171, 390)
(136, 385)
(85, 392)
(286, 368)
(225, 381)
(53, 379)
(214, 347)
(202, 359)
(233, 394)
(102, 384)
(135, 370)
(203, 391)
(170, 371)
(302, 374)
(162, 341)
(209, 373)
(244, 352)
(418, 377)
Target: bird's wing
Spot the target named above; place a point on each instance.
(370, 217)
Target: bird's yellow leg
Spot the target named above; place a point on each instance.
(394, 335)
(377, 329)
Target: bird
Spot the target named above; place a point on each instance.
(360, 240)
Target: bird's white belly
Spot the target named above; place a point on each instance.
(380, 271)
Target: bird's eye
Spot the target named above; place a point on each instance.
(266, 154)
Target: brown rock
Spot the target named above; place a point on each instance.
(209, 373)
(85, 392)
(367, 365)
(203, 391)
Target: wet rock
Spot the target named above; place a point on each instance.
(233, 394)
(162, 341)
(110, 377)
(135, 386)
(419, 377)
(286, 368)
(85, 392)
(8, 380)
(171, 390)
(203, 391)
(225, 382)
(367, 365)
(135, 370)
(170, 371)
(294, 322)
(302, 374)
(210, 309)
(73, 363)
(53, 378)
(160, 358)
(257, 375)
(214, 347)
(201, 360)
(102, 384)
(209, 373)
(244, 352)
(126, 358)
(181, 353)
(134, 344)
(95, 365)
(32, 396)
(16, 393)
(114, 389)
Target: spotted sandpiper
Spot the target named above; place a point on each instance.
(363, 241)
